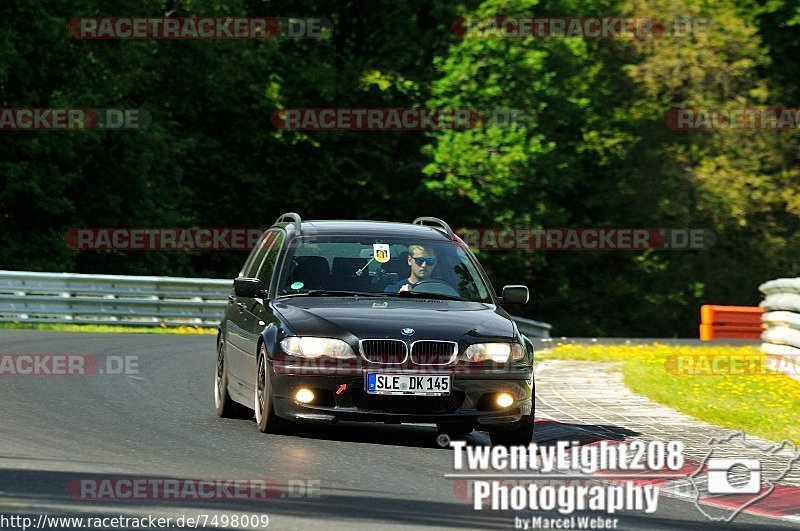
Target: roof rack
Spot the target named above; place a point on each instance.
(436, 221)
(293, 217)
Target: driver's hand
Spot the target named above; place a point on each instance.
(406, 287)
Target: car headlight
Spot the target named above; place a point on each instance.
(317, 347)
(497, 352)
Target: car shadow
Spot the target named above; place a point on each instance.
(545, 432)
(410, 435)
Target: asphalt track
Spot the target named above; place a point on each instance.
(161, 423)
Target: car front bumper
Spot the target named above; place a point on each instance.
(340, 395)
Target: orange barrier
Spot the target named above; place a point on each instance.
(730, 322)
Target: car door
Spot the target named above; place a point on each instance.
(238, 320)
(257, 310)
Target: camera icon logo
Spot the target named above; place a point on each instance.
(734, 476)
(745, 481)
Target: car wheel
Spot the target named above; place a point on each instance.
(223, 402)
(267, 420)
(521, 434)
(456, 430)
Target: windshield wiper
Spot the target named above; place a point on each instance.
(423, 295)
(338, 293)
(319, 292)
(347, 293)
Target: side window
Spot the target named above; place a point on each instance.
(257, 255)
(466, 273)
(264, 273)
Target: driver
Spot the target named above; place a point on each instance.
(422, 261)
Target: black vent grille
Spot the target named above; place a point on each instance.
(434, 352)
(384, 351)
(408, 404)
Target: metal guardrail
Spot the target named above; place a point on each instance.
(533, 329)
(27, 297)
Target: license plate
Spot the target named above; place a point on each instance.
(408, 384)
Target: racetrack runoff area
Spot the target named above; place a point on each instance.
(589, 401)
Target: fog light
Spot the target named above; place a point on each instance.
(304, 396)
(504, 400)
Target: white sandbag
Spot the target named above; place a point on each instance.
(782, 335)
(781, 285)
(782, 318)
(782, 301)
(780, 350)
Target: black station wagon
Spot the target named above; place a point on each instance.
(376, 322)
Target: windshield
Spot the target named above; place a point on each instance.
(381, 267)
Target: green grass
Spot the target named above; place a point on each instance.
(185, 330)
(747, 394)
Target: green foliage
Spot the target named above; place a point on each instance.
(590, 149)
(599, 154)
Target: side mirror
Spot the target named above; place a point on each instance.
(515, 294)
(247, 287)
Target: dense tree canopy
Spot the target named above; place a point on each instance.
(592, 151)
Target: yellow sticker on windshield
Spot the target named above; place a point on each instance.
(380, 251)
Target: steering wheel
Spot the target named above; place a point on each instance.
(432, 285)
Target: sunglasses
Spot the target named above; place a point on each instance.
(429, 261)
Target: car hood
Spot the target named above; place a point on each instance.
(353, 319)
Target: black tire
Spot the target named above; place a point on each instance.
(521, 434)
(266, 419)
(223, 402)
(455, 430)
